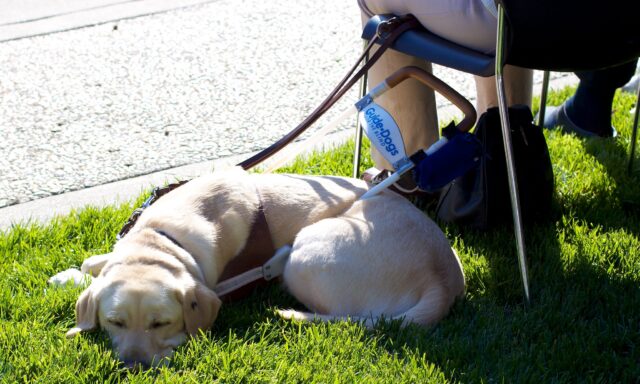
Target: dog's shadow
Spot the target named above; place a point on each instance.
(243, 315)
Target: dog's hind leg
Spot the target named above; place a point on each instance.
(431, 308)
(290, 314)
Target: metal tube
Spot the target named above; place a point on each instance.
(508, 151)
(543, 98)
(357, 150)
(634, 134)
(384, 184)
(431, 81)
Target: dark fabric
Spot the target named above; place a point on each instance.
(481, 199)
(571, 35)
(590, 106)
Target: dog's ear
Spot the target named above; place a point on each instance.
(200, 306)
(86, 310)
(94, 264)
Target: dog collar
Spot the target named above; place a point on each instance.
(191, 265)
(165, 234)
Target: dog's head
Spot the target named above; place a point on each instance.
(148, 304)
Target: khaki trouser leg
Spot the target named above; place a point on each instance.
(411, 104)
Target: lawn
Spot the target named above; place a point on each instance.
(583, 324)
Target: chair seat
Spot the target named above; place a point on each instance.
(421, 43)
(571, 35)
(612, 40)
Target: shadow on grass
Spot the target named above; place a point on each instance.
(243, 315)
(582, 325)
(613, 155)
(619, 191)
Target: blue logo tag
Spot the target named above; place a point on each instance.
(383, 132)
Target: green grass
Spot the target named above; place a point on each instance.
(583, 324)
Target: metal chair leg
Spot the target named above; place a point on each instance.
(357, 151)
(543, 98)
(506, 136)
(634, 134)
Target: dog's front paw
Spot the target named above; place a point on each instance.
(94, 264)
(72, 274)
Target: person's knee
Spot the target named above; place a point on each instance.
(608, 78)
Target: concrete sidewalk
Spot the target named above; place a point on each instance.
(95, 115)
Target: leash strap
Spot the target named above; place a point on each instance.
(386, 34)
(273, 268)
(238, 282)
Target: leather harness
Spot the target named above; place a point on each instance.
(256, 252)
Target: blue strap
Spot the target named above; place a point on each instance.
(458, 156)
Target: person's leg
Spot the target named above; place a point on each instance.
(588, 111)
(468, 23)
(518, 86)
(590, 107)
(411, 104)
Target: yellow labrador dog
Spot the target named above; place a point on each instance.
(361, 259)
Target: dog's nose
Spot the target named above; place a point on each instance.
(134, 358)
(135, 365)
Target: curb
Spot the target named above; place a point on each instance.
(43, 210)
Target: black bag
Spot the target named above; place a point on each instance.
(480, 198)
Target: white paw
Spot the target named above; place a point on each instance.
(94, 264)
(290, 314)
(286, 313)
(72, 274)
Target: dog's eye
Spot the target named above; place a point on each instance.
(117, 323)
(159, 324)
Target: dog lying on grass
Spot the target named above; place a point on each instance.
(361, 259)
